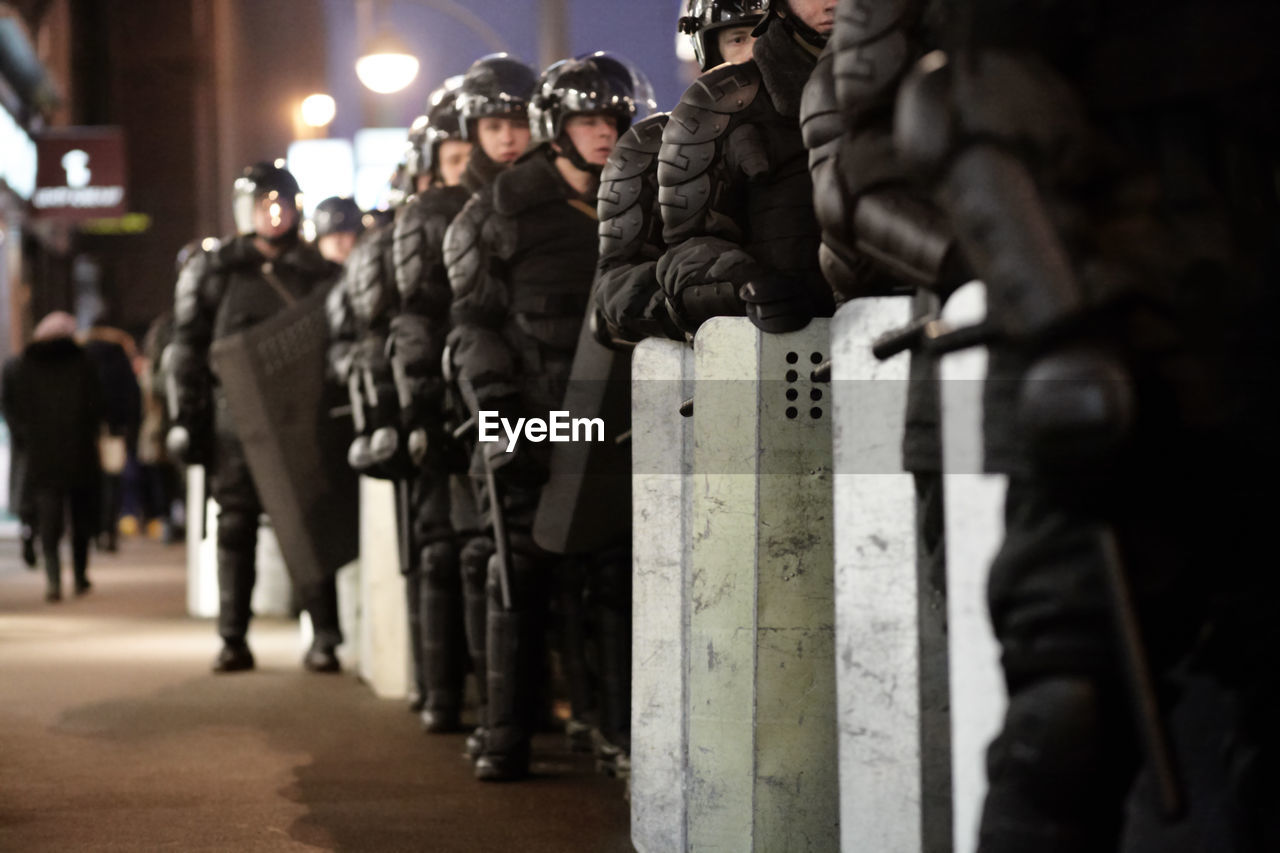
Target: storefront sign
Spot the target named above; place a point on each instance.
(81, 174)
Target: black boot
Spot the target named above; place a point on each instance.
(443, 638)
(511, 698)
(413, 600)
(234, 657)
(321, 657)
(321, 603)
(475, 560)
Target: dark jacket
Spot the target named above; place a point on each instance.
(521, 258)
(53, 404)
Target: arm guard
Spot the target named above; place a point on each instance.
(342, 334)
(195, 306)
(974, 139)
(705, 261)
(415, 342)
(477, 247)
(627, 294)
(879, 234)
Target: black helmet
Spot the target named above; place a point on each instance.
(791, 22)
(262, 179)
(705, 18)
(441, 123)
(337, 214)
(494, 85)
(595, 83)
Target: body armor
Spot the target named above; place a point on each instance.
(359, 311)
(736, 197)
(627, 296)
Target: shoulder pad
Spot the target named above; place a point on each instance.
(725, 88)
(233, 253)
(636, 150)
(868, 20)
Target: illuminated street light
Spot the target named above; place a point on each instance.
(318, 110)
(387, 66)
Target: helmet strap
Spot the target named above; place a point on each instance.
(565, 148)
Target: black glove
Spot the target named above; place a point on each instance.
(187, 446)
(776, 304)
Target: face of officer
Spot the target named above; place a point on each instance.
(451, 158)
(336, 247)
(274, 215)
(594, 135)
(735, 44)
(818, 14)
(503, 139)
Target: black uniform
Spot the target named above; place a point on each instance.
(415, 347)
(1101, 172)
(521, 257)
(219, 294)
(628, 296)
(737, 200)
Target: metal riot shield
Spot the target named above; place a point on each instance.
(586, 502)
(274, 379)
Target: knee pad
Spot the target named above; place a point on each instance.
(1050, 748)
(440, 565)
(522, 576)
(474, 561)
(237, 530)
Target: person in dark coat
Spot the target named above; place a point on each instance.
(19, 499)
(111, 352)
(53, 403)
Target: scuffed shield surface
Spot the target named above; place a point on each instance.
(586, 503)
(274, 379)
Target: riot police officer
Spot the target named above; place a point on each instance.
(739, 225)
(492, 109)
(1097, 189)
(220, 293)
(491, 106)
(436, 159)
(339, 222)
(521, 258)
(629, 300)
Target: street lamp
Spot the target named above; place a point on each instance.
(318, 110)
(387, 65)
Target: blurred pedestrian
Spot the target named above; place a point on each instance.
(111, 353)
(53, 403)
(159, 481)
(19, 498)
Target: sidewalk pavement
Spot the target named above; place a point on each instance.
(114, 736)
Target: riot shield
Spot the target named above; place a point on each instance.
(586, 502)
(274, 379)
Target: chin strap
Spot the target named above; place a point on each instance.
(566, 149)
(805, 34)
